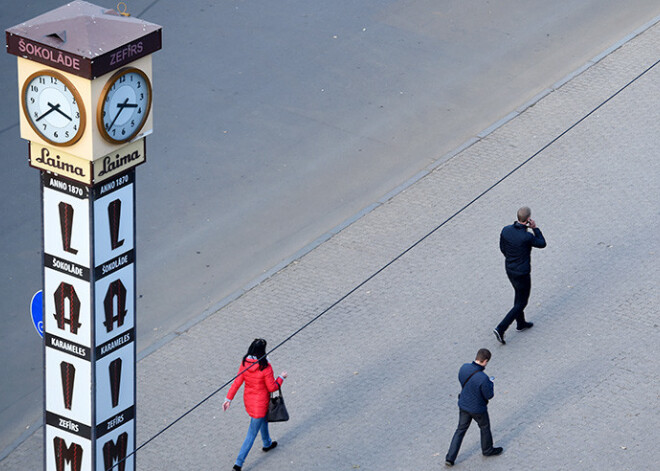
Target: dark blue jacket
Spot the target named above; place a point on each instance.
(516, 244)
(478, 390)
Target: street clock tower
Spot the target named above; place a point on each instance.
(85, 91)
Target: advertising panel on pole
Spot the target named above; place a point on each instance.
(114, 208)
(66, 451)
(114, 306)
(66, 220)
(115, 375)
(67, 302)
(115, 447)
(68, 381)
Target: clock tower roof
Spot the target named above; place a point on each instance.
(94, 38)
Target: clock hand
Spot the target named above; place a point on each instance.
(121, 107)
(52, 108)
(57, 108)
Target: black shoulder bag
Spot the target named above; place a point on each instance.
(466, 382)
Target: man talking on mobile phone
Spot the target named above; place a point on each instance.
(516, 244)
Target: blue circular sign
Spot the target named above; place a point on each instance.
(37, 310)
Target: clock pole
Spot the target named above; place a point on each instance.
(85, 76)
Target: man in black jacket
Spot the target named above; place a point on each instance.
(516, 244)
(473, 404)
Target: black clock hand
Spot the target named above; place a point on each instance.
(121, 108)
(52, 108)
(57, 108)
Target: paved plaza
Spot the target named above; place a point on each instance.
(373, 381)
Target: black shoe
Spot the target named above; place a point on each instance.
(236, 468)
(526, 325)
(494, 451)
(268, 448)
(449, 463)
(499, 337)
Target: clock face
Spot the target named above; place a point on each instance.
(53, 107)
(124, 105)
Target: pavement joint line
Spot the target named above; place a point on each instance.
(497, 124)
(156, 345)
(27, 433)
(534, 100)
(349, 221)
(624, 40)
(453, 153)
(391, 194)
(564, 80)
(407, 184)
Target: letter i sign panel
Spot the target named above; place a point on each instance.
(68, 379)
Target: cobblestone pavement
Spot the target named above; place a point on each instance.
(373, 383)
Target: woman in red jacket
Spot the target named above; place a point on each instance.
(257, 374)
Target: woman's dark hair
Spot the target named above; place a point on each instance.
(258, 350)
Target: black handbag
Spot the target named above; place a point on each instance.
(276, 409)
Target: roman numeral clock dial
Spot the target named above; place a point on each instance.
(53, 107)
(124, 105)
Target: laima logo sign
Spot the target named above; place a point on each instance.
(71, 455)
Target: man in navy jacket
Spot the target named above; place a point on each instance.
(516, 244)
(473, 404)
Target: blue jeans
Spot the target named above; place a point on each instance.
(256, 426)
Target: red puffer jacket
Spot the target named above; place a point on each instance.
(258, 386)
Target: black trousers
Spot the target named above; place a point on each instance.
(464, 419)
(522, 285)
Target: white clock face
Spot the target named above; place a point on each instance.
(53, 107)
(124, 105)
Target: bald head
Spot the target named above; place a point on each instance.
(524, 214)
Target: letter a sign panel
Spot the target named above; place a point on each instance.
(85, 75)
